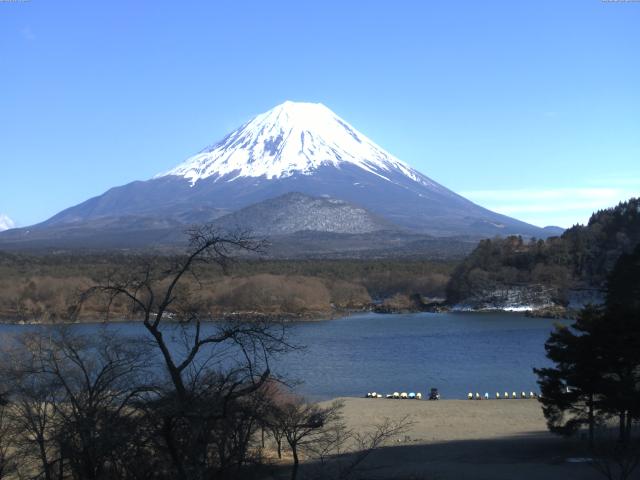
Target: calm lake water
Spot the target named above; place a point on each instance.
(455, 352)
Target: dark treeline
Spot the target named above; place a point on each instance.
(581, 258)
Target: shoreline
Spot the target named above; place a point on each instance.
(311, 316)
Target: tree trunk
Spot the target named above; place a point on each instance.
(623, 425)
(43, 458)
(591, 422)
(296, 462)
(198, 455)
(167, 433)
(61, 466)
(243, 444)
(626, 429)
(174, 373)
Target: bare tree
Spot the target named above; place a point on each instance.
(97, 379)
(71, 398)
(210, 367)
(305, 426)
(320, 433)
(7, 464)
(365, 443)
(31, 411)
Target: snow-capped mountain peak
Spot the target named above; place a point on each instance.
(291, 138)
(293, 149)
(5, 222)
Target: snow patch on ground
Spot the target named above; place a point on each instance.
(511, 298)
(496, 308)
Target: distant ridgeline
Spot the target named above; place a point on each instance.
(560, 272)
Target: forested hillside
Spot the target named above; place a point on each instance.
(514, 272)
(45, 288)
(500, 273)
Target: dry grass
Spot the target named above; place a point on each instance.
(44, 289)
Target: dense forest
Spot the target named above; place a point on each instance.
(553, 270)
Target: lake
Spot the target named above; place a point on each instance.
(454, 352)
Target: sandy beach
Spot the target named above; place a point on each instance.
(467, 439)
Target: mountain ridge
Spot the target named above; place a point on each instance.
(295, 212)
(294, 147)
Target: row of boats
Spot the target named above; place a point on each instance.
(433, 395)
(398, 395)
(498, 396)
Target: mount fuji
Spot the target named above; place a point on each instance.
(301, 148)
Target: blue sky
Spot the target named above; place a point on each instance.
(529, 108)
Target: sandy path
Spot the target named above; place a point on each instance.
(447, 420)
(467, 439)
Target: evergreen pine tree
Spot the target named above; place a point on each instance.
(570, 390)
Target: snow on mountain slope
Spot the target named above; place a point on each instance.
(292, 138)
(294, 147)
(5, 222)
(296, 212)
